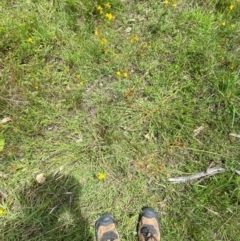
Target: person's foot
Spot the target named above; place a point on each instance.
(105, 229)
(149, 225)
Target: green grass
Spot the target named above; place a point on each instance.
(74, 117)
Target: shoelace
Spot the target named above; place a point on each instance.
(147, 234)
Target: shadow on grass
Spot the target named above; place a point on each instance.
(49, 211)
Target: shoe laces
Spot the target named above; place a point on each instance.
(147, 234)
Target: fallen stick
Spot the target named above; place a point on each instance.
(238, 172)
(235, 135)
(208, 173)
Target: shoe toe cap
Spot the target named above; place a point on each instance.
(149, 212)
(104, 220)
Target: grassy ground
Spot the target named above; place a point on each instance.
(118, 89)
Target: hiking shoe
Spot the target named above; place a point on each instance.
(149, 225)
(105, 229)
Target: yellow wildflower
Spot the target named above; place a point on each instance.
(30, 40)
(166, 2)
(134, 39)
(2, 212)
(232, 25)
(100, 9)
(103, 41)
(223, 23)
(174, 5)
(231, 7)
(96, 33)
(101, 176)
(118, 73)
(36, 86)
(109, 16)
(78, 76)
(125, 75)
(81, 83)
(108, 5)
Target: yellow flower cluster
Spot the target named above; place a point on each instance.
(172, 2)
(101, 176)
(231, 25)
(100, 9)
(104, 9)
(231, 7)
(2, 212)
(108, 5)
(134, 39)
(103, 41)
(96, 32)
(124, 74)
(109, 16)
(30, 40)
(78, 77)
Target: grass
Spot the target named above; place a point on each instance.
(73, 117)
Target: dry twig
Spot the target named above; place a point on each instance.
(208, 173)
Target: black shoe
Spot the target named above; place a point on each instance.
(105, 229)
(149, 225)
